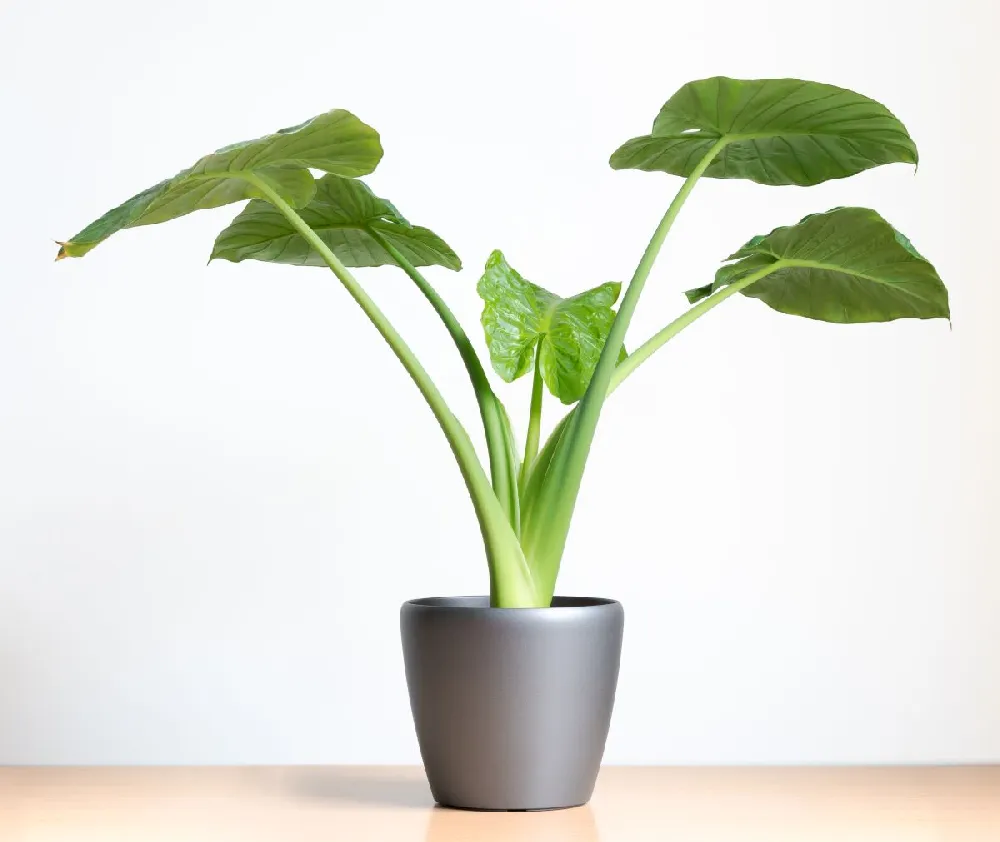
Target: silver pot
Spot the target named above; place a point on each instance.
(511, 705)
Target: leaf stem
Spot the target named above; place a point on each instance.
(545, 524)
(659, 339)
(534, 422)
(598, 388)
(641, 354)
(511, 580)
(503, 473)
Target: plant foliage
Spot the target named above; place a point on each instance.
(845, 266)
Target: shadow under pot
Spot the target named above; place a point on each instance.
(511, 705)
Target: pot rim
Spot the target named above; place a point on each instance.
(482, 603)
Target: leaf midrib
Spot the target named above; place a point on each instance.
(545, 323)
(736, 138)
(791, 262)
(357, 226)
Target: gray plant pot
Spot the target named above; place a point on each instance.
(511, 705)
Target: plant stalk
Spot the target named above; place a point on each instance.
(503, 472)
(545, 525)
(534, 422)
(511, 581)
(641, 354)
(662, 337)
(597, 390)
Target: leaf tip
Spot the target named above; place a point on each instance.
(221, 255)
(695, 295)
(619, 158)
(63, 252)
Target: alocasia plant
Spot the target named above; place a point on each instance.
(847, 265)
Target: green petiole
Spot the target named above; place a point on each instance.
(534, 422)
(545, 525)
(510, 577)
(662, 337)
(503, 469)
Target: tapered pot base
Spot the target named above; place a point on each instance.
(524, 810)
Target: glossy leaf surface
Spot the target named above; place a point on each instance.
(570, 332)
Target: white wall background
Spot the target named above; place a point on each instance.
(217, 485)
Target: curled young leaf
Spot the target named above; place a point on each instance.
(335, 142)
(771, 131)
(569, 333)
(847, 265)
(347, 216)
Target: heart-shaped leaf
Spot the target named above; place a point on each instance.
(348, 217)
(335, 142)
(569, 333)
(773, 131)
(847, 265)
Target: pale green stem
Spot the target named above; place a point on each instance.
(502, 471)
(641, 354)
(546, 525)
(540, 466)
(510, 578)
(659, 339)
(593, 400)
(534, 422)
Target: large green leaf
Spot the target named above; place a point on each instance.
(846, 265)
(348, 217)
(335, 142)
(773, 131)
(520, 316)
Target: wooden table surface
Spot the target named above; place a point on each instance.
(393, 804)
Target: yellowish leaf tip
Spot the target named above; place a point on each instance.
(63, 253)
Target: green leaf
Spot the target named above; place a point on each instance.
(345, 213)
(519, 315)
(775, 131)
(335, 142)
(847, 265)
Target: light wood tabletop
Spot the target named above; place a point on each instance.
(393, 804)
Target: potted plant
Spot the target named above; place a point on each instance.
(512, 693)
